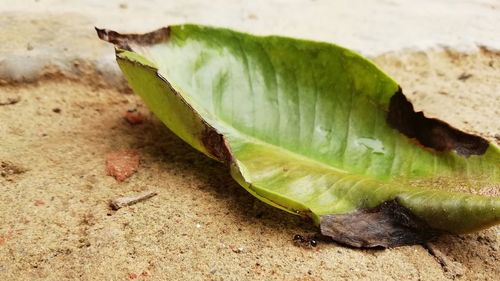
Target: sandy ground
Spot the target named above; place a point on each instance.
(371, 27)
(56, 224)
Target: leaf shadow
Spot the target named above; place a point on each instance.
(158, 144)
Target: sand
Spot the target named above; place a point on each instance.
(56, 223)
(371, 27)
(62, 108)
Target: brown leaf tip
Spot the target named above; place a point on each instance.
(430, 132)
(123, 41)
(387, 225)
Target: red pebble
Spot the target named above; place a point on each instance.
(39, 202)
(132, 275)
(134, 117)
(5, 237)
(122, 164)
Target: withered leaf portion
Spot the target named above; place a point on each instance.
(316, 130)
(431, 133)
(387, 225)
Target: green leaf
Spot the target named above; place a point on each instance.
(316, 130)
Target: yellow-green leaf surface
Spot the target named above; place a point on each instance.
(316, 130)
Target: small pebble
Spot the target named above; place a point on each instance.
(122, 164)
(134, 117)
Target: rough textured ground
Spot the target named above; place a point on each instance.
(55, 222)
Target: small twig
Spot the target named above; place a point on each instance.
(121, 202)
(452, 269)
(464, 76)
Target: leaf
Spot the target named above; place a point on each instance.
(316, 130)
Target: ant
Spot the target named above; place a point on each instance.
(306, 242)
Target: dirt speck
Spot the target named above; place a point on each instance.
(8, 168)
(464, 76)
(9, 100)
